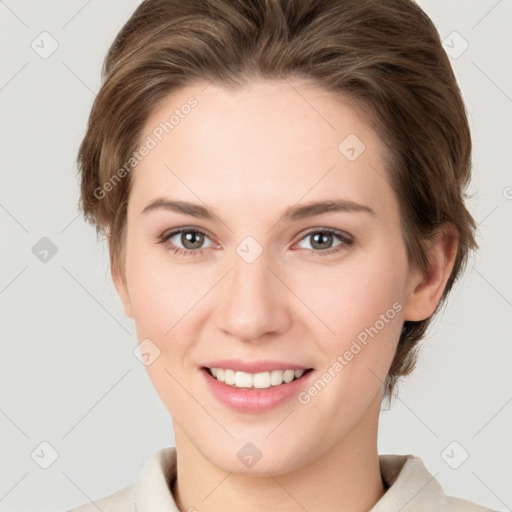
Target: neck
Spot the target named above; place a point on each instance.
(347, 478)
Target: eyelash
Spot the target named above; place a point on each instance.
(346, 240)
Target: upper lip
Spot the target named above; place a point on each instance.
(254, 366)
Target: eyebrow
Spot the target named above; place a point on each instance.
(292, 213)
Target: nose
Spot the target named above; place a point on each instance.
(253, 302)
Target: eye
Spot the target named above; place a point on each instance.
(322, 239)
(190, 238)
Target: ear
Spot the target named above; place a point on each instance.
(119, 279)
(122, 290)
(425, 289)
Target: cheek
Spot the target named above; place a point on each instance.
(163, 299)
(161, 294)
(351, 297)
(362, 307)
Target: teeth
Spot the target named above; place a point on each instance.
(276, 377)
(243, 380)
(288, 375)
(229, 377)
(261, 380)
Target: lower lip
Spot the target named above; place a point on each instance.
(254, 400)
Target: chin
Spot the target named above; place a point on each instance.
(256, 458)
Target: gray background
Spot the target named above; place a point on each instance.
(68, 374)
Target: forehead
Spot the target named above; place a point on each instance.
(268, 142)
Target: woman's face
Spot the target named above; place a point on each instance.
(264, 277)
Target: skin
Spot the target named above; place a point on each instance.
(248, 154)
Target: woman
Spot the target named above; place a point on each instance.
(281, 185)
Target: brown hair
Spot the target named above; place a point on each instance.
(383, 55)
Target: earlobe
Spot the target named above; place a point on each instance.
(425, 290)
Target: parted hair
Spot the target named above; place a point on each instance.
(383, 56)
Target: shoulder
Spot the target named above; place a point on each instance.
(454, 504)
(412, 487)
(120, 501)
(151, 490)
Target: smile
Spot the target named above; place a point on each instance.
(260, 380)
(255, 386)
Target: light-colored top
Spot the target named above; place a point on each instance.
(411, 488)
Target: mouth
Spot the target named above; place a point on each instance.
(255, 386)
(259, 380)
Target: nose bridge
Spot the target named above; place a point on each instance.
(252, 302)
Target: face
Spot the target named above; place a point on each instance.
(252, 273)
